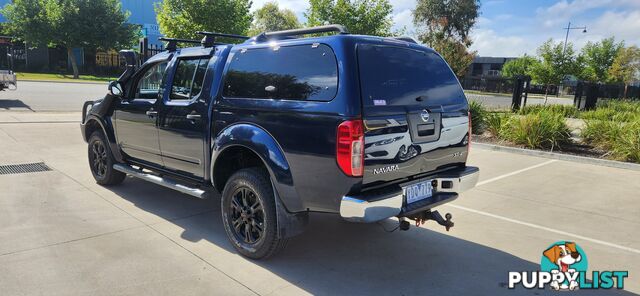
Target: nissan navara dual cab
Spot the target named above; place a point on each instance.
(366, 127)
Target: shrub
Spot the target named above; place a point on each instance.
(495, 122)
(544, 129)
(616, 110)
(627, 146)
(565, 110)
(478, 114)
(621, 139)
(601, 133)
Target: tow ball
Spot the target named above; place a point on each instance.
(425, 216)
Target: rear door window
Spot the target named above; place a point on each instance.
(301, 72)
(188, 79)
(398, 76)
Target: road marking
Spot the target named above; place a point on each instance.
(515, 173)
(564, 233)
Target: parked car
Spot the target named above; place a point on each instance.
(282, 125)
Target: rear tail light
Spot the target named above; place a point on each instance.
(469, 141)
(350, 147)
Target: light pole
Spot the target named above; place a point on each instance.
(566, 38)
(564, 49)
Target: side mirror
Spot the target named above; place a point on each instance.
(115, 89)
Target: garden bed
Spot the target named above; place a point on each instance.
(612, 131)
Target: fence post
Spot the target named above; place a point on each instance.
(592, 96)
(516, 98)
(144, 45)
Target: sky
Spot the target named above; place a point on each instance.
(511, 28)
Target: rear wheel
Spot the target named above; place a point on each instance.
(249, 214)
(101, 161)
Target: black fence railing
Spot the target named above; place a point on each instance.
(502, 85)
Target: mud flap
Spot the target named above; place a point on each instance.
(289, 224)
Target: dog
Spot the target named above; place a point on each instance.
(563, 256)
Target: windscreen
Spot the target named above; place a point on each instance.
(391, 75)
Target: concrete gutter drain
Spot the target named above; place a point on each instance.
(11, 169)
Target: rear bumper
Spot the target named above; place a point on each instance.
(390, 203)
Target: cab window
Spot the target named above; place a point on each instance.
(150, 82)
(188, 79)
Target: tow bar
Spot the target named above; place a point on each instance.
(425, 216)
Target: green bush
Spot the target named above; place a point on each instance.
(601, 133)
(495, 122)
(565, 110)
(627, 146)
(478, 114)
(616, 110)
(544, 129)
(620, 139)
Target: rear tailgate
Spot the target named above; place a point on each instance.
(414, 111)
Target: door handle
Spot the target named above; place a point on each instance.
(151, 113)
(193, 116)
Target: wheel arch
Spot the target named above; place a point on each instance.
(94, 123)
(251, 143)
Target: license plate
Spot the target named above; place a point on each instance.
(418, 191)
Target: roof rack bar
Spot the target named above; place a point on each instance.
(172, 43)
(209, 38)
(214, 34)
(304, 31)
(406, 38)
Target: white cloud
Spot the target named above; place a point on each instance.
(489, 43)
(404, 19)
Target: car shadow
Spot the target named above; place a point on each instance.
(8, 104)
(335, 257)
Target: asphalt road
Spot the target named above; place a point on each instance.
(62, 234)
(52, 96)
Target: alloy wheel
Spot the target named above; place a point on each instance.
(99, 158)
(247, 216)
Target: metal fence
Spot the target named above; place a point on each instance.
(501, 85)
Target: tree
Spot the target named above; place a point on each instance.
(271, 18)
(626, 66)
(555, 64)
(183, 18)
(90, 24)
(445, 26)
(596, 59)
(519, 66)
(366, 17)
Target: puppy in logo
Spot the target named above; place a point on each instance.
(563, 256)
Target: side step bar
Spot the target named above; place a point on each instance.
(199, 193)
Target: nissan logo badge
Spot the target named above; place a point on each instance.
(424, 115)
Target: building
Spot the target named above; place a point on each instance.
(487, 66)
(142, 13)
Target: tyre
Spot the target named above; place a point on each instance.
(101, 161)
(249, 214)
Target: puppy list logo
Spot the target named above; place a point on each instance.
(563, 266)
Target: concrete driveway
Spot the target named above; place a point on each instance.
(61, 234)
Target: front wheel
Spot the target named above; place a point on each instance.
(101, 161)
(249, 214)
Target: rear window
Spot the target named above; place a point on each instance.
(401, 76)
(304, 72)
